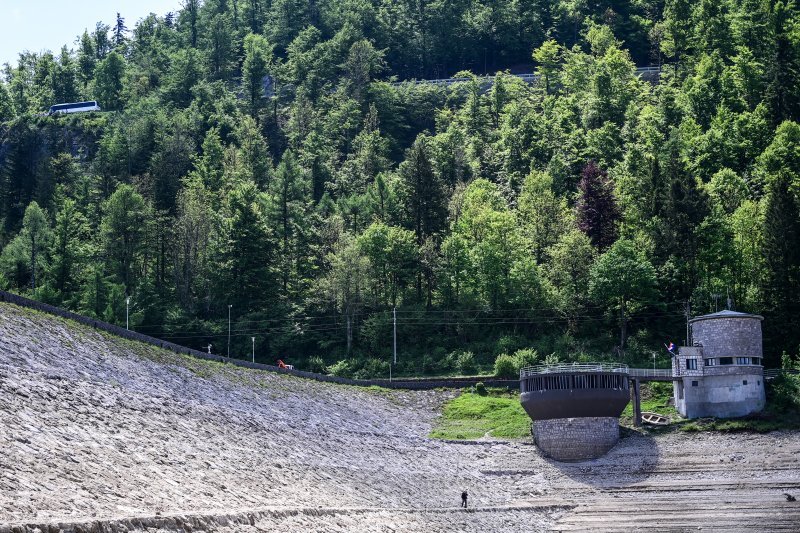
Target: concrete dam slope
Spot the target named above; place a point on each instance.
(103, 434)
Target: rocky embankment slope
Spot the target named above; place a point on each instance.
(102, 434)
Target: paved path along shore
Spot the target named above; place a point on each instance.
(97, 433)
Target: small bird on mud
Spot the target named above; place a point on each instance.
(789, 497)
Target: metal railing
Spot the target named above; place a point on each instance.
(527, 77)
(572, 367)
(645, 373)
(772, 373)
(650, 372)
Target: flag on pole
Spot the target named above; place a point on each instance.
(670, 348)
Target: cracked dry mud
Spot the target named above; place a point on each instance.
(102, 434)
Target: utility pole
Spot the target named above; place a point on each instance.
(127, 312)
(229, 330)
(254, 349)
(687, 312)
(394, 313)
(394, 342)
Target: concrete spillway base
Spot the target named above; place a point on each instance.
(576, 439)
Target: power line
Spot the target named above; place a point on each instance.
(323, 328)
(304, 318)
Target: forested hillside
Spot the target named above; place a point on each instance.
(258, 158)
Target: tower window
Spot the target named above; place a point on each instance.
(742, 360)
(726, 360)
(691, 364)
(744, 382)
(695, 383)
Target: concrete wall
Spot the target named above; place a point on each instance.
(721, 391)
(729, 336)
(576, 439)
(402, 383)
(722, 396)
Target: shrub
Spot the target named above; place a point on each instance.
(317, 365)
(526, 357)
(480, 388)
(506, 366)
(465, 362)
(342, 369)
(373, 368)
(434, 362)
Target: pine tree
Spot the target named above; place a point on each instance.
(254, 70)
(87, 59)
(423, 194)
(250, 281)
(119, 31)
(191, 9)
(108, 81)
(782, 257)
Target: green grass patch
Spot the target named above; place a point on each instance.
(655, 397)
(472, 416)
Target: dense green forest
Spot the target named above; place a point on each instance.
(260, 158)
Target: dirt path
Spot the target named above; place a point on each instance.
(95, 430)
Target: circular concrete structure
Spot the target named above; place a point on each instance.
(575, 408)
(728, 334)
(721, 375)
(576, 439)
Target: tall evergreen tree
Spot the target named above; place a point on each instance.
(596, 208)
(423, 193)
(119, 31)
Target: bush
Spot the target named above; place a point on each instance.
(506, 366)
(526, 357)
(316, 365)
(342, 369)
(783, 394)
(373, 369)
(433, 363)
(465, 362)
(480, 388)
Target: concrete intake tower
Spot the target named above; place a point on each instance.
(575, 408)
(721, 373)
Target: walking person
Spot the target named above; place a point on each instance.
(464, 499)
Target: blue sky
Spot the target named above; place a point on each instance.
(38, 25)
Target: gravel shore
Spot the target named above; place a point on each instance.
(98, 433)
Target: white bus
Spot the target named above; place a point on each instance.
(78, 107)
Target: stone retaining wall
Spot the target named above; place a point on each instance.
(402, 383)
(576, 439)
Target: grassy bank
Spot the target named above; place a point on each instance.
(493, 413)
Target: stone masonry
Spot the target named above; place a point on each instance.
(728, 334)
(576, 439)
(722, 374)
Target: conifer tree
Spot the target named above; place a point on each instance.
(596, 208)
